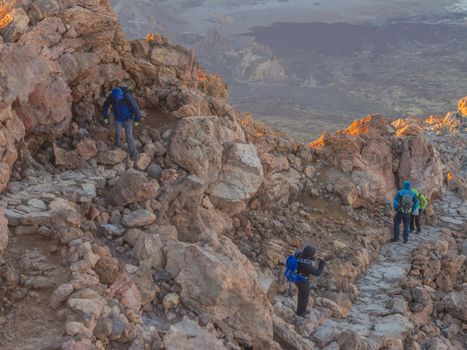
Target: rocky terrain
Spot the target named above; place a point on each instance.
(184, 248)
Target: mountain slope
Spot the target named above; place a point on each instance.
(183, 249)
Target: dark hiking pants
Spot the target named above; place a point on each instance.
(405, 219)
(415, 222)
(303, 294)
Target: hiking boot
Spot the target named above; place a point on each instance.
(115, 147)
(395, 240)
(307, 312)
(405, 242)
(418, 232)
(133, 157)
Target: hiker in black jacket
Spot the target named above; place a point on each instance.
(305, 268)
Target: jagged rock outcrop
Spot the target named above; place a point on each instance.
(222, 283)
(371, 158)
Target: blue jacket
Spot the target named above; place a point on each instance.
(406, 190)
(123, 109)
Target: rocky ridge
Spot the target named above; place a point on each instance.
(183, 248)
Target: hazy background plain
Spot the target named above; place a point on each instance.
(305, 66)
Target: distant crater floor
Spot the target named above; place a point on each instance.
(342, 71)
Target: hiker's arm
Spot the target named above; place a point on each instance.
(395, 202)
(106, 107)
(309, 269)
(135, 109)
(424, 201)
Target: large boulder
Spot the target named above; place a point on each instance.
(133, 187)
(188, 335)
(224, 284)
(454, 304)
(363, 156)
(421, 164)
(242, 175)
(285, 335)
(197, 147)
(450, 267)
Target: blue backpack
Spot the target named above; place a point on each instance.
(291, 269)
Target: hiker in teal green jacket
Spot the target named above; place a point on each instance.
(417, 215)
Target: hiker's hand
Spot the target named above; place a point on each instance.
(321, 262)
(106, 121)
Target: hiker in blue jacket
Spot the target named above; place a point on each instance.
(405, 203)
(126, 112)
(306, 268)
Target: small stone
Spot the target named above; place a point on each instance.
(39, 282)
(103, 328)
(133, 187)
(132, 236)
(69, 234)
(154, 171)
(92, 306)
(25, 230)
(111, 231)
(108, 269)
(171, 301)
(143, 161)
(338, 245)
(37, 203)
(149, 248)
(87, 148)
(310, 171)
(60, 295)
(138, 218)
(160, 149)
(111, 157)
(84, 344)
(76, 328)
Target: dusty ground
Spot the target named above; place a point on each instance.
(26, 319)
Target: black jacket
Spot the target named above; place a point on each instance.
(307, 269)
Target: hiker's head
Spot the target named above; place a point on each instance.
(309, 252)
(117, 94)
(407, 185)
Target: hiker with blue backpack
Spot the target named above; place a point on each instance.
(126, 112)
(298, 269)
(405, 204)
